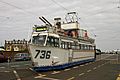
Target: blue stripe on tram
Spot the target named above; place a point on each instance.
(62, 66)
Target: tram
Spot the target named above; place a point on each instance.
(60, 46)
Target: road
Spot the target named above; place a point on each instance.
(106, 67)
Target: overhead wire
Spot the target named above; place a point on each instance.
(88, 27)
(17, 7)
(103, 11)
(60, 5)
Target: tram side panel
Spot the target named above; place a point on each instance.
(59, 56)
(78, 55)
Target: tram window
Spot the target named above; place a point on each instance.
(82, 46)
(73, 46)
(79, 46)
(69, 45)
(91, 48)
(62, 45)
(52, 41)
(56, 42)
(66, 46)
(39, 39)
(87, 47)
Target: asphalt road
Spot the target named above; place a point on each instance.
(106, 67)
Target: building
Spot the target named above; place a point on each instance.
(2, 48)
(16, 45)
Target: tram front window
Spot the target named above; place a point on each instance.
(39, 39)
(52, 41)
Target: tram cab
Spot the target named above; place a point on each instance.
(46, 39)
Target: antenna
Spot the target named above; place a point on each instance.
(42, 20)
(45, 21)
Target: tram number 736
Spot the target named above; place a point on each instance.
(43, 54)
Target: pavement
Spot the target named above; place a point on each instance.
(106, 67)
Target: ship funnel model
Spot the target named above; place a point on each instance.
(60, 46)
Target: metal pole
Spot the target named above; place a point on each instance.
(119, 4)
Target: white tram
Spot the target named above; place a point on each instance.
(60, 46)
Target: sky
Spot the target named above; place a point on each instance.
(100, 17)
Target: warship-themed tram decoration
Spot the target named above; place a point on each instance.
(61, 45)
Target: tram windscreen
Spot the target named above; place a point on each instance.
(52, 41)
(39, 39)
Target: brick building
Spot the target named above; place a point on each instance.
(16, 45)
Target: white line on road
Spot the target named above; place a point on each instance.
(86, 64)
(31, 69)
(42, 77)
(16, 74)
(71, 78)
(27, 64)
(16, 66)
(55, 72)
(5, 71)
(88, 70)
(102, 64)
(81, 65)
(81, 74)
(99, 66)
(94, 68)
(2, 67)
(75, 67)
(66, 69)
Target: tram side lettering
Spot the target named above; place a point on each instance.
(43, 54)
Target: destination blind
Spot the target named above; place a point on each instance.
(39, 29)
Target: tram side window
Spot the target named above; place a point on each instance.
(56, 42)
(79, 46)
(82, 46)
(69, 45)
(86, 47)
(62, 44)
(65, 45)
(73, 46)
(91, 48)
(52, 41)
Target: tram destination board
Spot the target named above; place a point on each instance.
(40, 28)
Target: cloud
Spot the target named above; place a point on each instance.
(100, 17)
